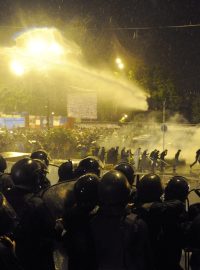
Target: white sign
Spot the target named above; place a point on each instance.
(82, 105)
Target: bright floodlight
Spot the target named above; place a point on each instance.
(121, 66)
(45, 48)
(56, 48)
(118, 61)
(39, 50)
(36, 46)
(17, 68)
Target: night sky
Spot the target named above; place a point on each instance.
(175, 49)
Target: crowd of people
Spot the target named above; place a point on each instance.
(111, 220)
(110, 145)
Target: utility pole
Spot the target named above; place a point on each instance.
(48, 114)
(164, 127)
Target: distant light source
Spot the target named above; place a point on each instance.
(123, 119)
(39, 50)
(121, 66)
(118, 60)
(36, 46)
(56, 48)
(17, 68)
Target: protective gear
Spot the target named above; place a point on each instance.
(86, 190)
(58, 197)
(65, 171)
(114, 189)
(6, 182)
(127, 170)
(28, 174)
(177, 189)
(45, 183)
(149, 188)
(42, 155)
(3, 164)
(88, 165)
(8, 217)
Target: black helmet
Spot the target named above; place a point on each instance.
(65, 171)
(149, 188)
(177, 189)
(42, 155)
(3, 164)
(8, 217)
(28, 173)
(86, 190)
(127, 169)
(114, 189)
(88, 165)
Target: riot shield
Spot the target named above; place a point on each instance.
(59, 196)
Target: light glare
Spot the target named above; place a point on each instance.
(17, 68)
(121, 66)
(36, 46)
(118, 60)
(56, 48)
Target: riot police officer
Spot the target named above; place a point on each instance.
(88, 165)
(8, 222)
(120, 239)
(78, 239)
(174, 215)
(65, 171)
(36, 231)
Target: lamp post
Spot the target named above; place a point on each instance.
(164, 126)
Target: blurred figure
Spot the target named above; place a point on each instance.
(115, 155)
(154, 160)
(65, 171)
(121, 239)
(197, 158)
(144, 163)
(176, 160)
(95, 151)
(162, 160)
(110, 154)
(102, 154)
(136, 156)
(123, 154)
